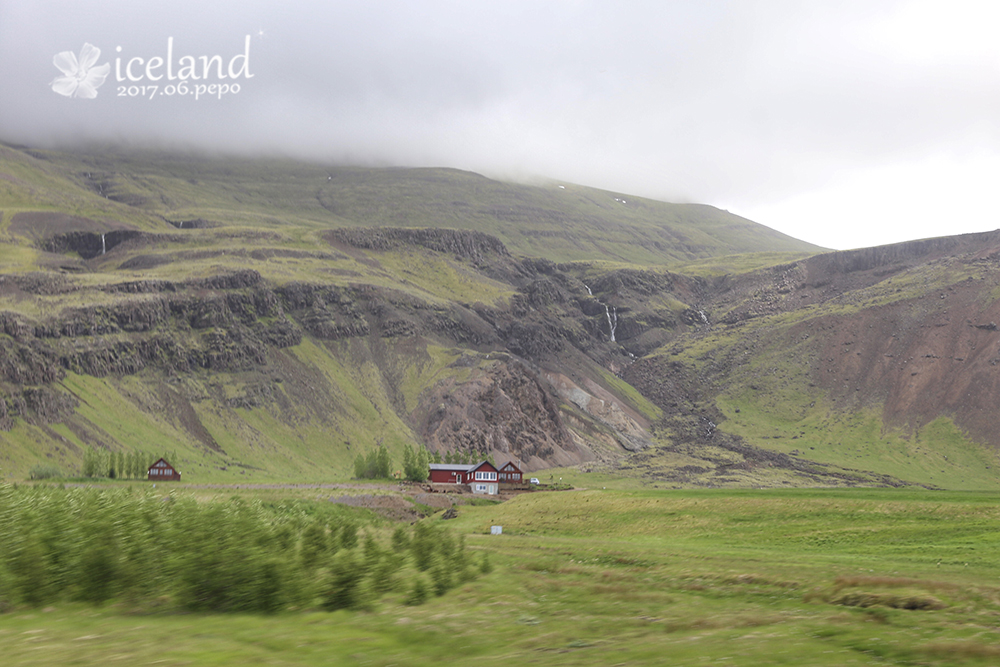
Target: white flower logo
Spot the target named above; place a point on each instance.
(81, 78)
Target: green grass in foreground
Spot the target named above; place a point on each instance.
(792, 577)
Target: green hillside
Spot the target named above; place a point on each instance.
(557, 221)
(274, 319)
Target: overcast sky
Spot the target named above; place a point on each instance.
(846, 124)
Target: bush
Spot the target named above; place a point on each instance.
(44, 471)
(441, 576)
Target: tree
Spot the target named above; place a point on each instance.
(135, 462)
(400, 540)
(315, 545)
(90, 462)
(423, 466)
(418, 592)
(408, 461)
(415, 465)
(376, 465)
(371, 465)
(383, 463)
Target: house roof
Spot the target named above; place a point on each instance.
(461, 467)
(456, 467)
(164, 461)
(510, 464)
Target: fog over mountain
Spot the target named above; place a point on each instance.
(866, 123)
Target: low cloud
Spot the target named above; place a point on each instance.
(748, 105)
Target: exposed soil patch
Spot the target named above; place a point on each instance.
(396, 508)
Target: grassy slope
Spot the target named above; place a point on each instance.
(284, 438)
(270, 208)
(598, 578)
(769, 397)
(561, 224)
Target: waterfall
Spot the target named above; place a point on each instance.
(612, 315)
(181, 225)
(103, 248)
(704, 318)
(588, 289)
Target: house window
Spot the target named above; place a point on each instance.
(486, 476)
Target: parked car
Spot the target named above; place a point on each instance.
(534, 480)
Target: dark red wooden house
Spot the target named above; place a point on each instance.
(448, 473)
(510, 474)
(161, 471)
(482, 476)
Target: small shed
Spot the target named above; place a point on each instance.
(161, 471)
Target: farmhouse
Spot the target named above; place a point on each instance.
(161, 471)
(481, 477)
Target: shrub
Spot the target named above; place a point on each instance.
(441, 576)
(315, 545)
(44, 471)
(341, 590)
(98, 572)
(348, 536)
(418, 593)
(400, 540)
(225, 556)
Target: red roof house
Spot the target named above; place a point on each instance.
(482, 476)
(448, 473)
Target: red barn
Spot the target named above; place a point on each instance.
(161, 471)
(510, 474)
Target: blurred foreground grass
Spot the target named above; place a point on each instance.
(792, 577)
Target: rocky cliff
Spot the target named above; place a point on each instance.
(262, 338)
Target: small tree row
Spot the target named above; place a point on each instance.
(378, 464)
(96, 545)
(117, 465)
(467, 457)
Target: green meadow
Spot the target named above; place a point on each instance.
(610, 577)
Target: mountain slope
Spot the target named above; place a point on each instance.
(273, 320)
(561, 222)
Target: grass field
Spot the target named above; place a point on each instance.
(618, 577)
